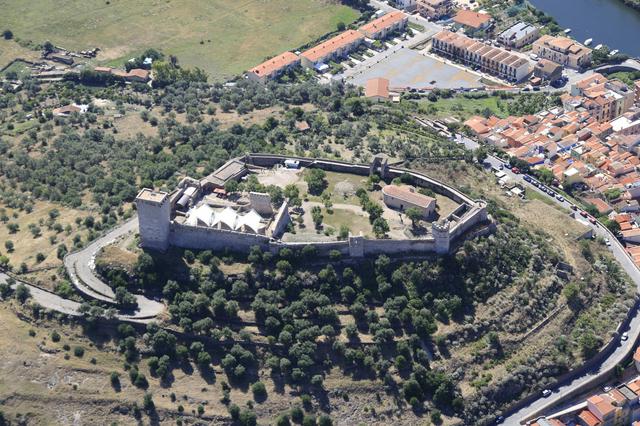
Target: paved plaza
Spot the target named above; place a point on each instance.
(409, 68)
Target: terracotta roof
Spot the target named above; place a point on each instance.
(275, 64)
(408, 194)
(588, 418)
(138, 72)
(377, 87)
(385, 21)
(635, 232)
(332, 45)
(471, 19)
(602, 403)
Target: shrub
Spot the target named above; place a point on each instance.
(259, 390)
(115, 379)
(297, 414)
(147, 402)
(78, 351)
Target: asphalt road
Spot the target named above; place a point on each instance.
(48, 300)
(80, 267)
(542, 405)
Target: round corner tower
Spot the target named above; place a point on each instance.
(154, 219)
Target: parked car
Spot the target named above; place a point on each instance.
(499, 420)
(624, 336)
(515, 170)
(574, 207)
(526, 178)
(583, 214)
(546, 393)
(560, 198)
(592, 220)
(607, 388)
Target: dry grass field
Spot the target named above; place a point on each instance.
(220, 36)
(10, 50)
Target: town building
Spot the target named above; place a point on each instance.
(67, 110)
(562, 50)
(405, 197)
(273, 67)
(334, 48)
(377, 89)
(548, 70)
(408, 5)
(636, 86)
(617, 407)
(519, 35)
(381, 27)
(492, 60)
(604, 99)
(137, 75)
(434, 9)
(473, 21)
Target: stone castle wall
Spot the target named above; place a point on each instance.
(203, 238)
(463, 219)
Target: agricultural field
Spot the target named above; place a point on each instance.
(10, 50)
(224, 38)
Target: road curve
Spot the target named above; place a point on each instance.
(80, 267)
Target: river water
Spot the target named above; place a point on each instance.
(608, 22)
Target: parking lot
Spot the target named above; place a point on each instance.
(409, 68)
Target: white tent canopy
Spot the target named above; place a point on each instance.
(228, 218)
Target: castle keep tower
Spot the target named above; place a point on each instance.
(154, 217)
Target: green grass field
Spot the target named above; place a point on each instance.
(223, 37)
(463, 108)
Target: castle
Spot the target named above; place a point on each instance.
(194, 217)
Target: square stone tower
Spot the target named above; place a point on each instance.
(154, 219)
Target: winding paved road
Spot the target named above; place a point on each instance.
(80, 267)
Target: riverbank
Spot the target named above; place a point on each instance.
(634, 4)
(613, 23)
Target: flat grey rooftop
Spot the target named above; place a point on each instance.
(409, 68)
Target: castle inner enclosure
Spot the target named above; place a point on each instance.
(224, 211)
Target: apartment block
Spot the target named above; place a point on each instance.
(386, 24)
(434, 9)
(334, 48)
(519, 35)
(562, 50)
(490, 59)
(273, 67)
